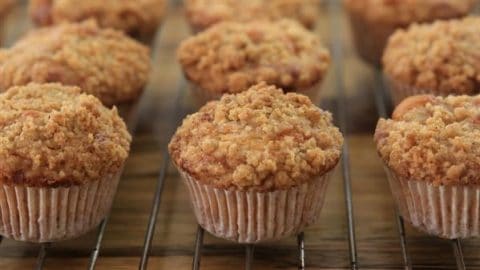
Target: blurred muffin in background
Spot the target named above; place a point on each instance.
(61, 155)
(103, 62)
(431, 152)
(5, 6)
(138, 18)
(232, 56)
(202, 14)
(440, 58)
(257, 164)
(373, 21)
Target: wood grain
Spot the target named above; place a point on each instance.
(164, 103)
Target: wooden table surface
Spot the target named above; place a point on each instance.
(164, 104)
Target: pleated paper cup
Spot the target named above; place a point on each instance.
(450, 212)
(370, 37)
(254, 216)
(129, 113)
(202, 96)
(37, 214)
(400, 91)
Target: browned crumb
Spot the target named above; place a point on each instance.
(404, 12)
(441, 57)
(102, 62)
(52, 135)
(205, 13)
(230, 57)
(259, 139)
(433, 139)
(138, 18)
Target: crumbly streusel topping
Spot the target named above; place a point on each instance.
(52, 135)
(404, 12)
(102, 62)
(433, 139)
(205, 13)
(259, 139)
(442, 57)
(230, 57)
(138, 18)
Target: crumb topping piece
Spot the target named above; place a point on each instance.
(442, 57)
(433, 139)
(137, 18)
(102, 62)
(259, 139)
(205, 13)
(232, 56)
(404, 12)
(53, 135)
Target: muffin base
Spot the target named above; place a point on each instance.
(370, 37)
(38, 214)
(129, 113)
(254, 216)
(443, 211)
(400, 91)
(202, 96)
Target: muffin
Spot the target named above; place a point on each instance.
(201, 14)
(137, 18)
(61, 153)
(5, 6)
(102, 62)
(257, 163)
(232, 56)
(373, 21)
(440, 59)
(431, 151)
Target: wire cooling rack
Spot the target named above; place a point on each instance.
(382, 104)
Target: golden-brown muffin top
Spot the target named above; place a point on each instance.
(53, 135)
(102, 62)
(442, 57)
(205, 13)
(260, 139)
(404, 12)
(433, 139)
(138, 18)
(231, 56)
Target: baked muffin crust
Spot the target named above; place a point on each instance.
(53, 135)
(441, 57)
(231, 56)
(138, 18)
(404, 12)
(205, 13)
(260, 139)
(102, 62)
(433, 139)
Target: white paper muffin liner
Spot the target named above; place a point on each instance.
(370, 37)
(451, 211)
(202, 96)
(400, 91)
(129, 113)
(253, 216)
(36, 214)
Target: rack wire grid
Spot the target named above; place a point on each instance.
(382, 104)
